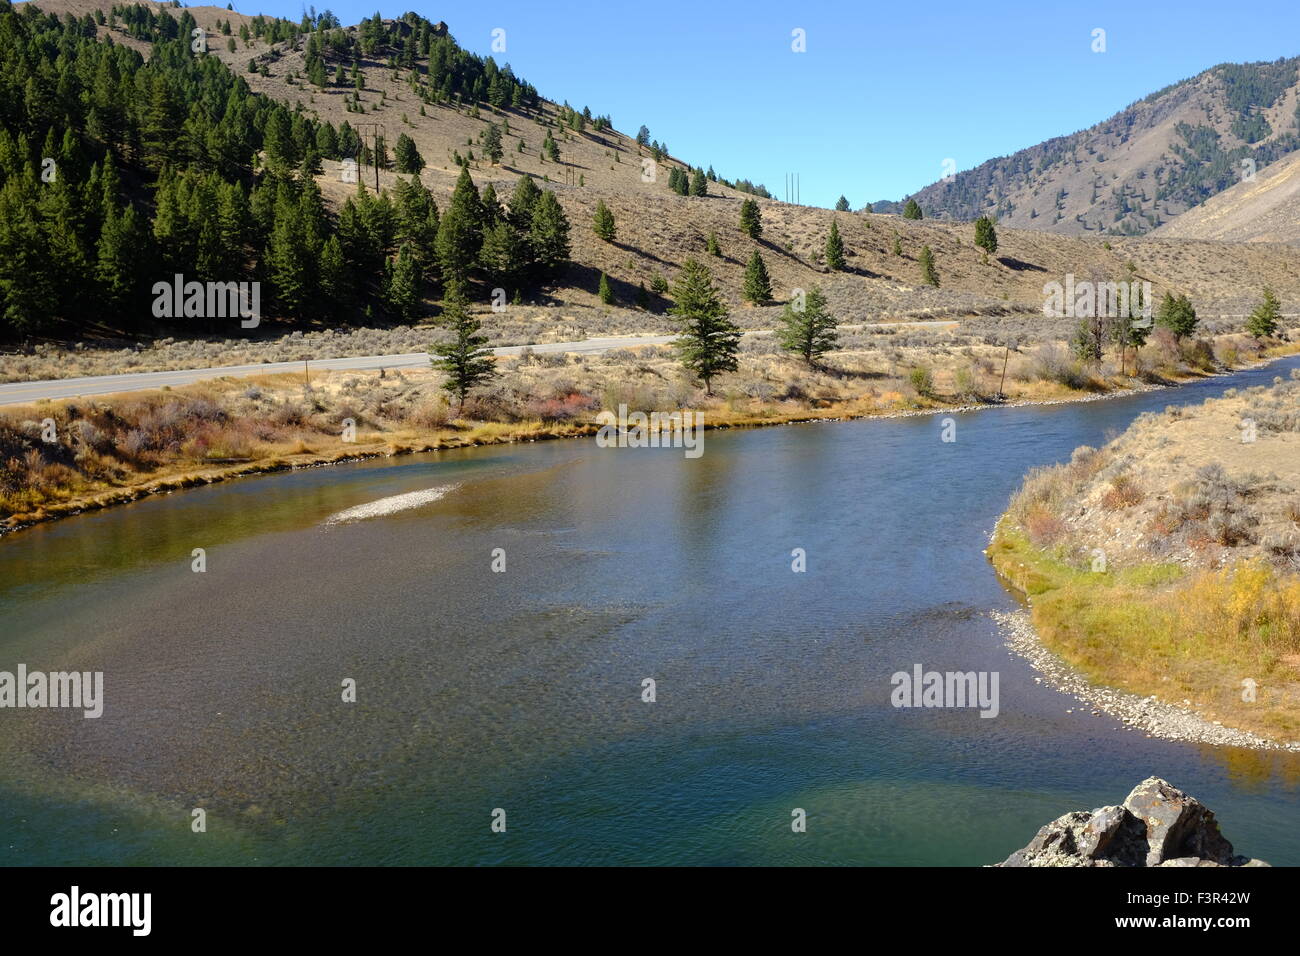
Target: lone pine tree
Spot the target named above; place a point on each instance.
(835, 249)
(758, 285)
(751, 219)
(709, 340)
(986, 236)
(465, 358)
(929, 274)
(811, 331)
(1264, 321)
(603, 222)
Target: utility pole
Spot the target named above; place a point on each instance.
(377, 131)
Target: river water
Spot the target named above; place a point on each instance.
(522, 690)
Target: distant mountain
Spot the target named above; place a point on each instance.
(1263, 209)
(1144, 166)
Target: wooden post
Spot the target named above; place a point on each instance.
(1005, 359)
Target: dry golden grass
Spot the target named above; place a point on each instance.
(1182, 636)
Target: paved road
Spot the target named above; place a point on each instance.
(17, 393)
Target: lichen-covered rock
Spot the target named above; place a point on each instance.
(1157, 825)
(1177, 825)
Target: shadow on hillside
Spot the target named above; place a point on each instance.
(1018, 265)
(626, 294)
(641, 252)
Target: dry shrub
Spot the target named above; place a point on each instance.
(1124, 493)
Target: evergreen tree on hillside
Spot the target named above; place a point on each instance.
(1265, 319)
(403, 288)
(460, 232)
(758, 285)
(711, 246)
(408, 157)
(709, 341)
(699, 185)
(603, 290)
(986, 236)
(505, 254)
(492, 147)
(835, 249)
(522, 200)
(603, 222)
(810, 332)
(912, 210)
(751, 219)
(549, 234)
(841, 204)
(929, 274)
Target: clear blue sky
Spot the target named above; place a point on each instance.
(886, 90)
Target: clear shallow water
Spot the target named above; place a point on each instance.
(522, 690)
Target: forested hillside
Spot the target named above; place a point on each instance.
(118, 171)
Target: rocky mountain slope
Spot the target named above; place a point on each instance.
(1143, 167)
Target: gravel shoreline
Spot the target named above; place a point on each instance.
(1149, 714)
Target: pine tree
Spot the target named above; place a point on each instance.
(712, 247)
(603, 290)
(505, 254)
(986, 236)
(492, 147)
(460, 232)
(810, 331)
(402, 292)
(835, 249)
(897, 248)
(758, 286)
(335, 284)
(699, 185)
(465, 359)
(121, 257)
(709, 341)
(550, 149)
(912, 210)
(751, 219)
(1264, 321)
(603, 222)
(549, 233)
(841, 204)
(1177, 315)
(929, 274)
(523, 198)
(408, 157)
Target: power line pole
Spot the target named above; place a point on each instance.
(376, 130)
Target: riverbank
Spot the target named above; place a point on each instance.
(117, 449)
(1162, 571)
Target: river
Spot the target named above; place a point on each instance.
(522, 690)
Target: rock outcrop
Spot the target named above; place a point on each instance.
(1157, 825)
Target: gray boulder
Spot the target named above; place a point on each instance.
(1157, 825)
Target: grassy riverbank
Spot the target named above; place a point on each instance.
(118, 448)
(1168, 562)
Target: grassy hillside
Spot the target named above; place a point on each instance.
(656, 229)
